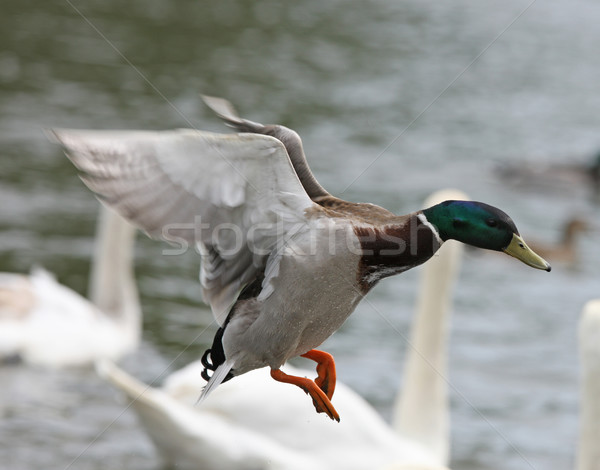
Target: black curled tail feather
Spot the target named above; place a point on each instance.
(214, 357)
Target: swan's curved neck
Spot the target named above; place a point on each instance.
(421, 410)
(588, 455)
(112, 284)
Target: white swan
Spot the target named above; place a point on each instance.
(233, 429)
(588, 454)
(420, 411)
(45, 323)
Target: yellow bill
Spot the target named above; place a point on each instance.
(519, 249)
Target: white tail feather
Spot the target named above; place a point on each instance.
(216, 380)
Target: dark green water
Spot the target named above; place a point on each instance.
(393, 100)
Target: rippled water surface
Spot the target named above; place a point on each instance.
(393, 100)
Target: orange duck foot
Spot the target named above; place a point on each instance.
(325, 370)
(320, 400)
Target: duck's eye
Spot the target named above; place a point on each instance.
(458, 223)
(491, 222)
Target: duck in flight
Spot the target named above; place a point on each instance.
(284, 263)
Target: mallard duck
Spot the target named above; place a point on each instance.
(566, 250)
(588, 453)
(45, 323)
(284, 263)
(285, 435)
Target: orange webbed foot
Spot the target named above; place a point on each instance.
(320, 400)
(325, 369)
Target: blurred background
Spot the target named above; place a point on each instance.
(391, 105)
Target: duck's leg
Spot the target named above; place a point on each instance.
(325, 370)
(320, 400)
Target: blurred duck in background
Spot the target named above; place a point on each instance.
(233, 430)
(45, 323)
(555, 177)
(588, 453)
(565, 251)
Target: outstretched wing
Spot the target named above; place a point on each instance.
(290, 139)
(234, 196)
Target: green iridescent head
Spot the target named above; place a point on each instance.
(484, 226)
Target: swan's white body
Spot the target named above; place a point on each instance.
(588, 455)
(45, 323)
(254, 422)
(234, 430)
